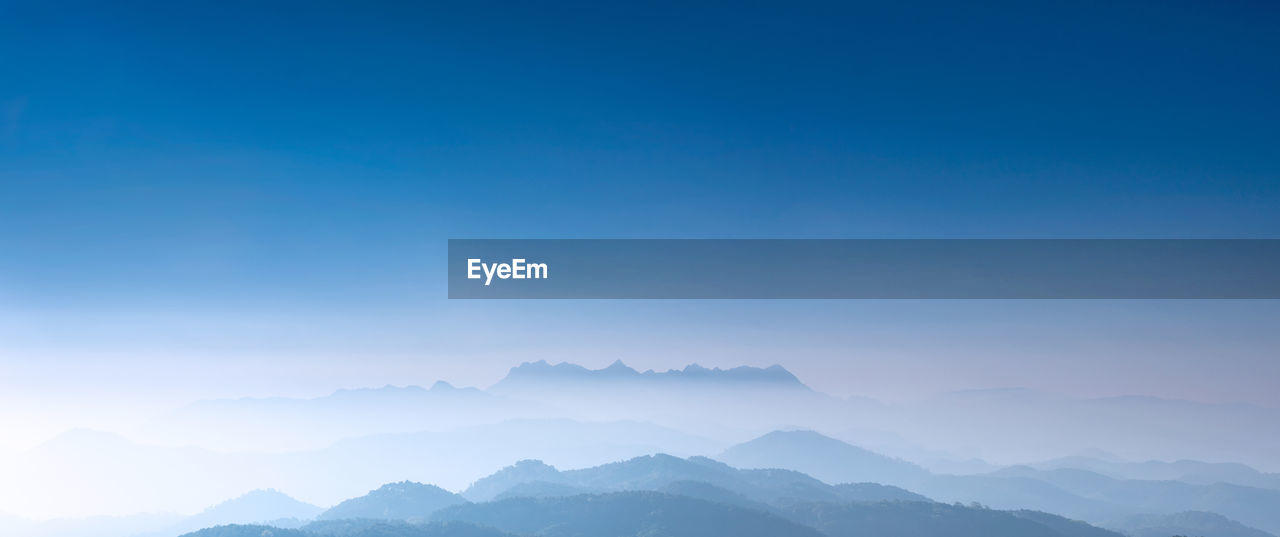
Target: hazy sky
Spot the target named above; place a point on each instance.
(203, 200)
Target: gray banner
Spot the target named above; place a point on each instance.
(858, 268)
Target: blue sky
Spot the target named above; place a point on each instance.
(281, 150)
(188, 189)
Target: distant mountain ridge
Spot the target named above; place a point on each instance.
(653, 497)
(405, 500)
(1185, 523)
(259, 506)
(1071, 492)
(542, 372)
(659, 472)
(823, 457)
(1188, 471)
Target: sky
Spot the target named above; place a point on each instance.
(224, 199)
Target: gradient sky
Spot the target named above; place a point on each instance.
(222, 199)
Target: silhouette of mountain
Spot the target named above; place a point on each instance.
(395, 501)
(260, 506)
(659, 472)
(657, 514)
(825, 458)
(1249, 505)
(541, 373)
(1187, 471)
(1077, 493)
(1185, 523)
(623, 514)
(1100, 499)
(663, 496)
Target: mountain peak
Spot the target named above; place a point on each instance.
(261, 505)
(541, 372)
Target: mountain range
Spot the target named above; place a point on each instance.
(1012, 501)
(762, 423)
(731, 405)
(1073, 492)
(541, 373)
(664, 496)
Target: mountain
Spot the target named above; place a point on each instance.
(1187, 471)
(663, 496)
(659, 472)
(623, 514)
(728, 405)
(395, 501)
(825, 458)
(1255, 507)
(656, 514)
(651, 473)
(260, 506)
(1072, 492)
(1185, 523)
(1098, 498)
(541, 373)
